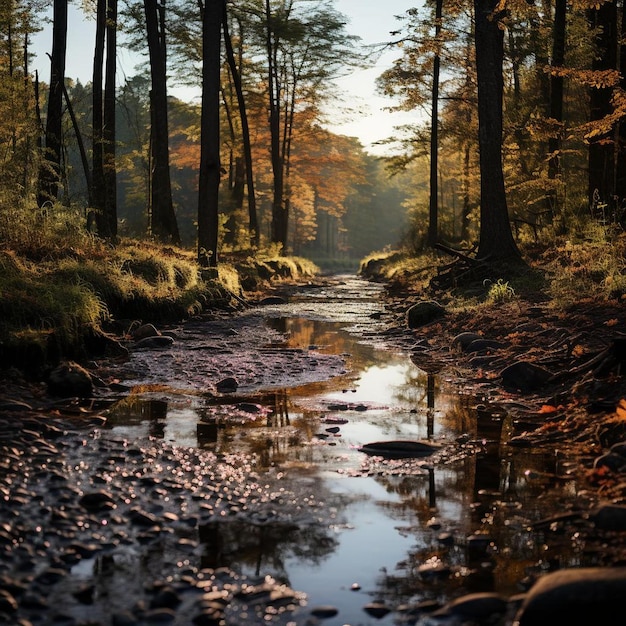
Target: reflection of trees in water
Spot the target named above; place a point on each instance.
(488, 504)
(245, 546)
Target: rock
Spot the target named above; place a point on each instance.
(269, 300)
(525, 376)
(609, 517)
(400, 449)
(144, 331)
(70, 380)
(376, 609)
(159, 341)
(477, 606)
(576, 597)
(619, 448)
(227, 385)
(482, 344)
(160, 616)
(463, 340)
(423, 313)
(8, 603)
(96, 501)
(324, 611)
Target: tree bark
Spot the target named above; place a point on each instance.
(209, 183)
(601, 151)
(496, 241)
(163, 218)
(108, 136)
(433, 209)
(253, 224)
(50, 171)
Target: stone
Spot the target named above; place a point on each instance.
(269, 300)
(576, 597)
(482, 345)
(227, 385)
(477, 606)
(149, 343)
(70, 380)
(463, 340)
(96, 501)
(609, 517)
(324, 611)
(423, 313)
(8, 604)
(525, 376)
(376, 609)
(144, 331)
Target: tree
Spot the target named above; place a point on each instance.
(163, 218)
(109, 129)
(50, 172)
(209, 181)
(496, 241)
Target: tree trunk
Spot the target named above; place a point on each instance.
(50, 171)
(433, 209)
(210, 135)
(556, 99)
(279, 230)
(163, 218)
(253, 224)
(108, 135)
(601, 151)
(98, 201)
(496, 239)
(620, 182)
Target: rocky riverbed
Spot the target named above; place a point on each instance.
(101, 529)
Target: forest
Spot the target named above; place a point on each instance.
(522, 141)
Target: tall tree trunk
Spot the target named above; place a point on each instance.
(620, 182)
(98, 122)
(253, 224)
(556, 99)
(278, 230)
(163, 218)
(496, 239)
(50, 171)
(433, 209)
(108, 136)
(208, 187)
(601, 151)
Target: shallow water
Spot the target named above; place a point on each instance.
(397, 531)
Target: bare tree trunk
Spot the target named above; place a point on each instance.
(50, 172)
(208, 188)
(496, 239)
(433, 209)
(253, 224)
(163, 218)
(98, 123)
(108, 135)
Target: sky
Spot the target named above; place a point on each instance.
(371, 20)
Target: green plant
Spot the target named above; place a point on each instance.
(500, 291)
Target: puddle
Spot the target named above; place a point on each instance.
(402, 530)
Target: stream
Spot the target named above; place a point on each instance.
(392, 534)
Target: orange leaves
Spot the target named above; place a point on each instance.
(620, 411)
(548, 409)
(611, 322)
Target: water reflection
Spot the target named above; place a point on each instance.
(418, 529)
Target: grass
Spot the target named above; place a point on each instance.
(58, 283)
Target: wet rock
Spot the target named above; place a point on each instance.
(423, 313)
(144, 331)
(148, 343)
(376, 609)
(609, 517)
(125, 618)
(576, 597)
(482, 344)
(619, 448)
(227, 385)
(85, 594)
(96, 501)
(138, 517)
(269, 300)
(70, 380)
(525, 376)
(324, 611)
(463, 340)
(8, 604)
(166, 597)
(477, 606)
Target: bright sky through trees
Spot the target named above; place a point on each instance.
(366, 117)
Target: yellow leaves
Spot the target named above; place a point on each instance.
(620, 411)
(578, 350)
